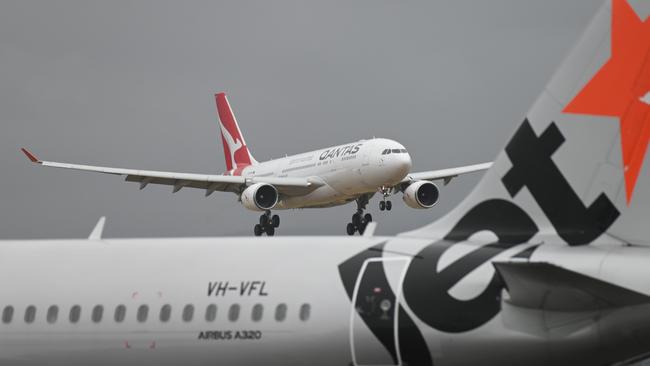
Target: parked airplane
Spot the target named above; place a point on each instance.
(323, 178)
(544, 263)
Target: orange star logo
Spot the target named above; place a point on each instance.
(621, 88)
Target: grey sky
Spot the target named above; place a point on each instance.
(131, 84)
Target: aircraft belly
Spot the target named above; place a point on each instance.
(324, 196)
(348, 182)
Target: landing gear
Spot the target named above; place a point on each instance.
(351, 228)
(385, 204)
(268, 224)
(359, 220)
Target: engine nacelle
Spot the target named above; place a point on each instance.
(259, 197)
(421, 194)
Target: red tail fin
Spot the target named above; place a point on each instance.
(234, 147)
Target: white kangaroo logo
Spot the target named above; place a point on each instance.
(233, 145)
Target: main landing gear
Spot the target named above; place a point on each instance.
(385, 204)
(359, 220)
(268, 224)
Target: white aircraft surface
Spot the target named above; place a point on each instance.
(546, 262)
(323, 178)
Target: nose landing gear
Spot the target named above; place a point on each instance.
(268, 224)
(385, 204)
(359, 220)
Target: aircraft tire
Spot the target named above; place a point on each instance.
(257, 229)
(350, 229)
(264, 220)
(356, 219)
(275, 220)
(270, 230)
(367, 218)
(389, 205)
(382, 205)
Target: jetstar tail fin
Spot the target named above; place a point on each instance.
(234, 147)
(577, 167)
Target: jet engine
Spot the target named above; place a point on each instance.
(421, 194)
(259, 197)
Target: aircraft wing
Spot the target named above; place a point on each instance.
(446, 174)
(209, 182)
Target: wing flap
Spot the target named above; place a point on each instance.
(541, 285)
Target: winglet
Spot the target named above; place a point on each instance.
(98, 231)
(31, 156)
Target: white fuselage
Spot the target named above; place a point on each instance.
(289, 301)
(345, 171)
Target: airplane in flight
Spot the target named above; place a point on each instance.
(544, 263)
(322, 178)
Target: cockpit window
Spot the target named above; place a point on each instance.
(396, 151)
(404, 151)
(385, 152)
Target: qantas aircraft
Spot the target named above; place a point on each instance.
(322, 178)
(546, 262)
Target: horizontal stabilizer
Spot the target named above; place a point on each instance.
(540, 285)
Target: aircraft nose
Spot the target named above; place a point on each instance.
(401, 165)
(405, 163)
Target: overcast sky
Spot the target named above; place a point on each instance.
(131, 84)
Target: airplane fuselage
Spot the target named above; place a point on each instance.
(279, 301)
(345, 171)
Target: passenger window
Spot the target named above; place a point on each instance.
(188, 313)
(98, 312)
(281, 312)
(7, 314)
(258, 311)
(211, 312)
(30, 314)
(305, 312)
(233, 312)
(143, 313)
(52, 314)
(120, 313)
(165, 313)
(75, 313)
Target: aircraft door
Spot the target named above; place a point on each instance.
(374, 314)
